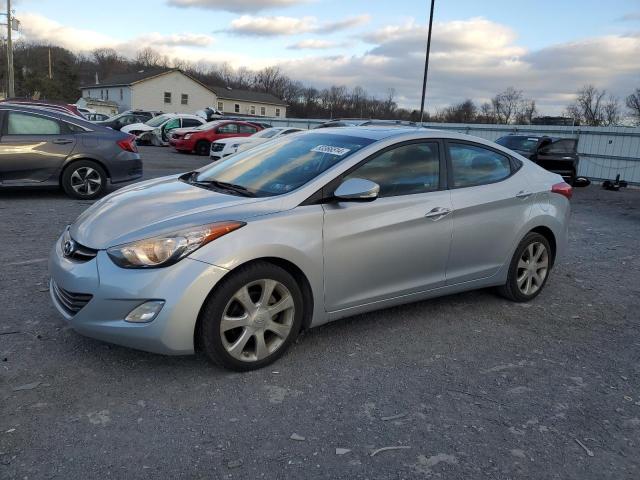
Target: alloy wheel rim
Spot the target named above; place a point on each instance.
(257, 320)
(86, 181)
(533, 267)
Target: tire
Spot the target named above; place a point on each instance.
(84, 180)
(522, 285)
(202, 148)
(236, 342)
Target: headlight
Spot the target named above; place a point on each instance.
(187, 136)
(168, 249)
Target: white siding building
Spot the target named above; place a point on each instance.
(175, 91)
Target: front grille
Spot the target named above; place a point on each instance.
(217, 147)
(80, 253)
(71, 302)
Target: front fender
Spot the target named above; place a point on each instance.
(294, 236)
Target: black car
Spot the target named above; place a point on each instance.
(558, 155)
(40, 147)
(123, 119)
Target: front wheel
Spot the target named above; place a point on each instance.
(85, 180)
(202, 148)
(251, 317)
(529, 269)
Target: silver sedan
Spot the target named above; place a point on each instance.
(237, 257)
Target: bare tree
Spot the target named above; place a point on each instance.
(611, 112)
(633, 103)
(506, 104)
(526, 111)
(588, 106)
(149, 58)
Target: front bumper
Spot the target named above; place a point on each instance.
(181, 144)
(116, 291)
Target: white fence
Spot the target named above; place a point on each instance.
(604, 151)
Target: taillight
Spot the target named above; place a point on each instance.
(128, 144)
(563, 189)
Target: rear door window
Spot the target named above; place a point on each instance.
(475, 165)
(190, 122)
(26, 124)
(566, 145)
(247, 129)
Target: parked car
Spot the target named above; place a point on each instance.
(251, 120)
(558, 155)
(156, 131)
(238, 257)
(210, 114)
(199, 140)
(42, 148)
(68, 108)
(355, 122)
(121, 120)
(228, 146)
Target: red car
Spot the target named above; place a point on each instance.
(199, 139)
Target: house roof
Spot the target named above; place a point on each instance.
(130, 78)
(225, 93)
(228, 93)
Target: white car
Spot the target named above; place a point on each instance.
(155, 131)
(228, 146)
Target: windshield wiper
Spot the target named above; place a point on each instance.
(239, 189)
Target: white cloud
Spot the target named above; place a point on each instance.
(473, 58)
(235, 5)
(271, 26)
(314, 44)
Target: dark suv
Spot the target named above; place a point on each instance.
(40, 147)
(558, 155)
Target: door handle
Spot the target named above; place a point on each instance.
(437, 213)
(523, 194)
(61, 141)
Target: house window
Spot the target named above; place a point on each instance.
(253, 109)
(277, 112)
(184, 99)
(236, 108)
(263, 111)
(102, 94)
(107, 94)
(167, 97)
(121, 94)
(221, 106)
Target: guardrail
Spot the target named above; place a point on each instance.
(604, 151)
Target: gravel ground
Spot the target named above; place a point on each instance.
(466, 386)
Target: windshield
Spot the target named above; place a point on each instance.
(285, 164)
(525, 144)
(268, 133)
(159, 120)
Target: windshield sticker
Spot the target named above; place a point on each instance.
(339, 151)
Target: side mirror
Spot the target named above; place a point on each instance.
(581, 182)
(357, 190)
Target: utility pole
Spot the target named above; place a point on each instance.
(426, 63)
(11, 92)
(50, 73)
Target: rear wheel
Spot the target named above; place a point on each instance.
(202, 148)
(84, 179)
(529, 269)
(251, 317)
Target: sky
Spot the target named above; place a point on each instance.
(546, 48)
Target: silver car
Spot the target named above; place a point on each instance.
(236, 258)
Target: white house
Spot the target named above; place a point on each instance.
(174, 91)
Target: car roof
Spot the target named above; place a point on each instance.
(43, 110)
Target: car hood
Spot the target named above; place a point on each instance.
(181, 131)
(143, 127)
(239, 140)
(161, 206)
